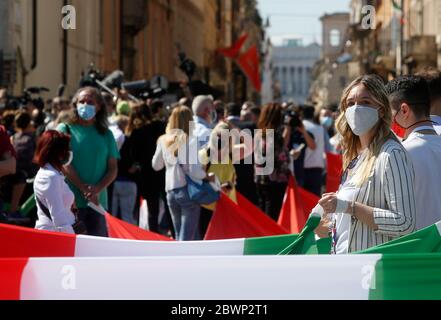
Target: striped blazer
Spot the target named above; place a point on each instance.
(390, 191)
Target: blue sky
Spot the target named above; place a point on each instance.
(298, 18)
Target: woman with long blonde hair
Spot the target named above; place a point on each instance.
(171, 153)
(375, 203)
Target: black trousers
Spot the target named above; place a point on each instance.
(95, 222)
(271, 198)
(204, 222)
(153, 198)
(314, 180)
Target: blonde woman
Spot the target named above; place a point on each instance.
(375, 203)
(171, 153)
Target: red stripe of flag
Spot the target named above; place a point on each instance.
(11, 271)
(18, 242)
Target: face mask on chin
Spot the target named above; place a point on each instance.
(361, 119)
(407, 128)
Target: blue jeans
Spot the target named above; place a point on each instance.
(124, 199)
(185, 214)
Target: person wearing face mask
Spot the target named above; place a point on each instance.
(410, 100)
(327, 120)
(204, 116)
(376, 199)
(53, 196)
(95, 164)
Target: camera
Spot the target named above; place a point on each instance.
(293, 120)
(14, 102)
(90, 77)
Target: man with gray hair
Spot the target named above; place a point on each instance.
(203, 111)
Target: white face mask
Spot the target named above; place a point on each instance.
(361, 119)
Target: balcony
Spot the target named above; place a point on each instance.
(421, 51)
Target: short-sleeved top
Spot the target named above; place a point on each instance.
(5, 143)
(224, 171)
(25, 145)
(91, 152)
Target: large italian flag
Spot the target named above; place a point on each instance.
(20, 242)
(224, 277)
(95, 268)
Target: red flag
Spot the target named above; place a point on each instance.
(122, 230)
(255, 211)
(230, 221)
(292, 216)
(233, 52)
(309, 200)
(250, 62)
(335, 168)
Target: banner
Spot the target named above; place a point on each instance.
(349, 277)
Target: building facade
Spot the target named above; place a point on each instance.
(331, 74)
(140, 37)
(404, 39)
(292, 65)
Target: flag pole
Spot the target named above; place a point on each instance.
(98, 209)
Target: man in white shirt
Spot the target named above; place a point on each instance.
(203, 111)
(314, 158)
(410, 102)
(433, 78)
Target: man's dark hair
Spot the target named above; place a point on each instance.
(156, 106)
(256, 111)
(220, 108)
(22, 120)
(308, 112)
(433, 78)
(233, 109)
(412, 90)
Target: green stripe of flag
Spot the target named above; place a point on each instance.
(268, 245)
(407, 277)
(303, 243)
(427, 240)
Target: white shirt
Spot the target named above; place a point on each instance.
(348, 191)
(176, 170)
(55, 195)
(119, 136)
(202, 131)
(437, 124)
(343, 220)
(315, 158)
(425, 152)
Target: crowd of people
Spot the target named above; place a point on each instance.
(110, 151)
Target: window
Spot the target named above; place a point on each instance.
(334, 37)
